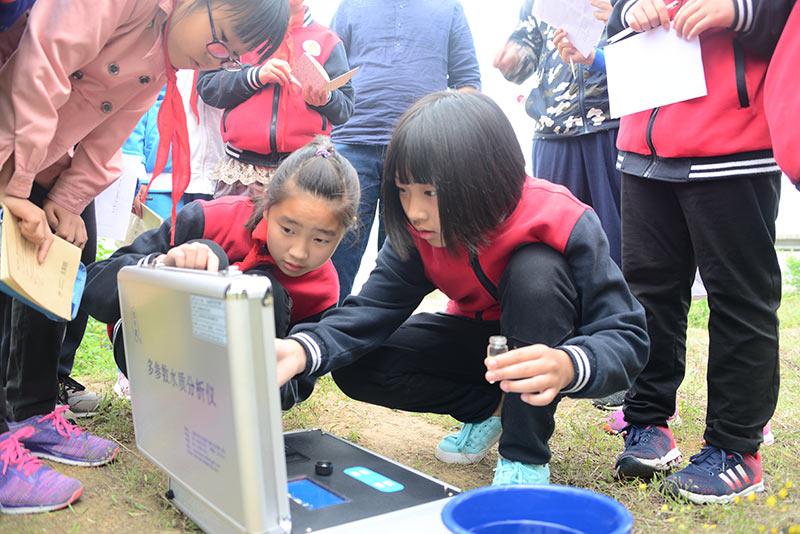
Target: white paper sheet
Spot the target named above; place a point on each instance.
(576, 17)
(113, 206)
(652, 69)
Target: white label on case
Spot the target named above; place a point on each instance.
(208, 319)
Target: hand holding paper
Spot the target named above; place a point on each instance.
(652, 69)
(66, 224)
(32, 223)
(308, 71)
(49, 284)
(568, 52)
(275, 71)
(694, 17)
(577, 17)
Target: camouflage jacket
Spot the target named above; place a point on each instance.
(562, 104)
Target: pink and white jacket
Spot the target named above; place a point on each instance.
(79, 80)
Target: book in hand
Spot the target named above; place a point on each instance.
(137, 226)
(308, 71)
(53, 287)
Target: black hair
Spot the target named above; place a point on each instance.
(461, 143)
(318, 170)
(260, 24)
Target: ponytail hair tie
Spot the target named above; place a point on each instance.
(322, 151)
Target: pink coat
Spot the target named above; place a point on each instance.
(83, 74)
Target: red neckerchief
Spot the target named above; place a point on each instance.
(286, 52)
(193, 96)
(259, 254)
(172, 130)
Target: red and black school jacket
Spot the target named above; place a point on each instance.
(262, 123)
(608, 346)
(782, 99)
(721, 135)
(546, 213)
(221, 221)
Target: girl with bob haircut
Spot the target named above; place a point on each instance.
(76, 76)
(517, 256)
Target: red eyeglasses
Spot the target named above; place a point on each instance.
(220, 50)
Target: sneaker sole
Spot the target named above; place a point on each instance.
(714, 499)
(632, 467)
(464, 458)
(38, 509)
(70, 414)
(608, 407)
(80, 463)
(459, 457)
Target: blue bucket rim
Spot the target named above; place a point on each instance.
(453, 526)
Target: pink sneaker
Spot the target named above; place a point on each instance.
(122, 387)
(28, 486)
(57, 439)
(769, 437)
(615, 423)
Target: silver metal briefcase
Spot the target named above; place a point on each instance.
(206, 406)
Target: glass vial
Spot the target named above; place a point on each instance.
(497, 345)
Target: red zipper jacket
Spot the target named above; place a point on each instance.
(783, 98)
(721, 135)
(263, 123)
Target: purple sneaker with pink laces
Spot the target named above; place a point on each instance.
(26, 485)
(57, 439)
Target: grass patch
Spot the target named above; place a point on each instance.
(127, 496)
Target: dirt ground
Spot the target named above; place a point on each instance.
(127, 495)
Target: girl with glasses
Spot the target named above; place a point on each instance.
(267, 113)
(80, 76)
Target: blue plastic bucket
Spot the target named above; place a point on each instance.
(548, 509)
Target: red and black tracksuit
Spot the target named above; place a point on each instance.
(700, 189)
(545, 276)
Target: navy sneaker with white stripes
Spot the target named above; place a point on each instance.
(648, 449)
(715, 475)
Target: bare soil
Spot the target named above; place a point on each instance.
(127, 496)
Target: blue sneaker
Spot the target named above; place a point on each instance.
(508, 472)
(471, 444)
(648, 449)
(716, 476)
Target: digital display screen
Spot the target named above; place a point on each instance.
(311, 495)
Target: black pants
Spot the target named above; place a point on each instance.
(434, 362)
(77, 327)
(727, 229)
(30, 348)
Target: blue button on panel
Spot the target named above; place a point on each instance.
(373, 479)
